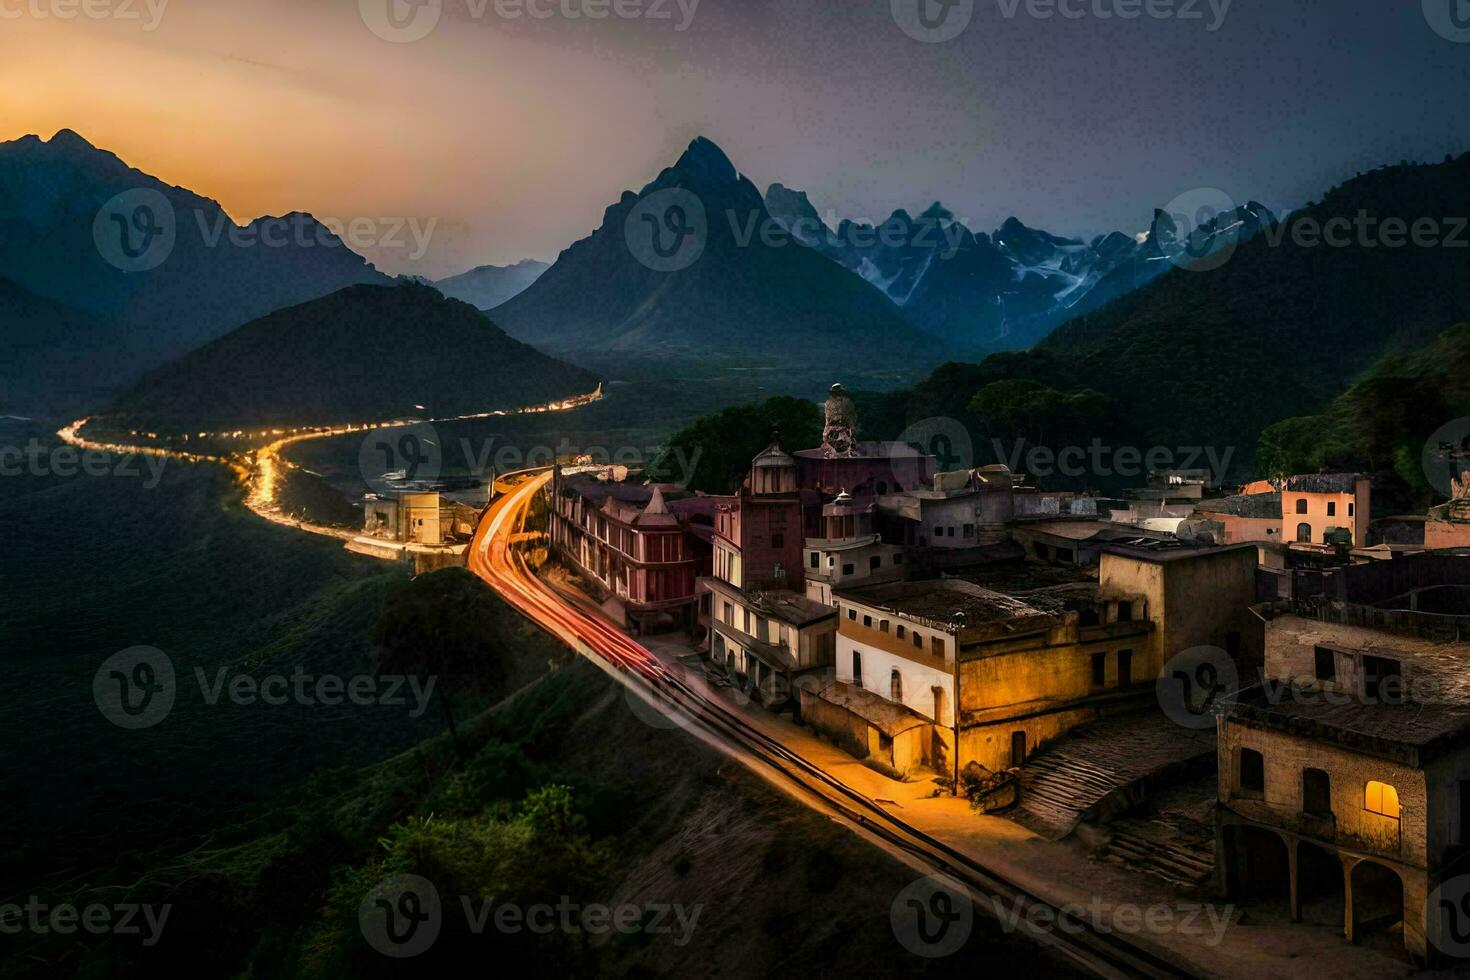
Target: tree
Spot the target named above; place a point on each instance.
(714, 453)
(448, 625)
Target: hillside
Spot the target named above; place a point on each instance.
(490, 285)
(57, 241)
(56, 357)
(745, 296)
(1385, 422)
(565, 795)
(1211, 358)
(366, 353)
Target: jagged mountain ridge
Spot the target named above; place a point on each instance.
(743, 297)
(1004, 290)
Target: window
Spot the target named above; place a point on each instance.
(875, 563)
(936, 646)
(851, 613)
(1382, 681)
(1304, 533)
(918, 640)
(1099, 669)
(969, 530)
(902, 629)
(868, 621)
(857, 669)
(895, 686)
(1316, 793)
(816, 560)
(729, 614)
(883, 626)
(1125, 612)
(1382, 799)
(1326, 664)
(1331, 508)
(1251, 773)
(1351, 508)
(778, 541)
(1125, 668)
(1301, 506)
(1089, 617)
(849, 569)
(950, 532)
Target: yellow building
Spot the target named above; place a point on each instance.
(998, 667)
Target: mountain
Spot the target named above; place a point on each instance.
(55, 356)
(168, 267)
(714, 283)
(1212, 354)
(1004, 290)
(490, 285)
(366, 353)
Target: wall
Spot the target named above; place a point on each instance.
(1287, 755)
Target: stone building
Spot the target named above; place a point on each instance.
(1344, 776)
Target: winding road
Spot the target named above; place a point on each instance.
(495, 558)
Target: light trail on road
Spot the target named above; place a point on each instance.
(495, 559)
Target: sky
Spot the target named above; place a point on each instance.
(500, 135)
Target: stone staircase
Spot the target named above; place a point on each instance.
(1104, 768)
(1180, 854)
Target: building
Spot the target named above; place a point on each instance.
(763, 629)
(862, 469)
(643, 547)
(849, 552)
(407, 518)
(1344, 778)
(1244, 517)
(1314, 506)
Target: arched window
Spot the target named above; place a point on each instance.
(1304, 533)
(1301, 506)
(895, 683)
(1382, 799)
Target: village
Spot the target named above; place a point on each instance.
(1257, 696)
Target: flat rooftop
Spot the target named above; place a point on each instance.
(1171, 550)
(1412, 732)
(942, 601)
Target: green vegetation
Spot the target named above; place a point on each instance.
(724, 443)
(1383, 422)
(448, 626)
(1213, 358)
